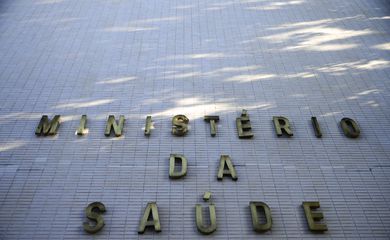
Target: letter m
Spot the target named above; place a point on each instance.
(47, 127)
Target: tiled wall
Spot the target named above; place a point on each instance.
(296, 58)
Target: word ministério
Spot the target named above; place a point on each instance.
(180, 126)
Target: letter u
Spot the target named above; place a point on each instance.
(199, 219)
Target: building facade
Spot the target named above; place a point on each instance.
(298, 59)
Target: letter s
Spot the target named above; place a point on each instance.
(93, 212)
(180, 125)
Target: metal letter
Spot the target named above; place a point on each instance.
(207, 196)
(172, 163)
(93, 212)
(82, 127)
(112, 124)
(180, 125)
(257, 225)
(226, 168)
(244, 127)
(213, 126)
(151, 212)
(312, 217)
(47, 127)
(316, 127)
(350, 127)
(148, 126)
(200, 225)
(282, 125)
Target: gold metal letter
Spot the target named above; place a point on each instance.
(226, 168)
(200, 225)
(350, 127)
(172, 163)
(47, 127)
(93, 212)
(257, 225)
(180, 125)
(282, 125)
(83, 122)
(148, 126)
(112, 124)
(213, 126)
(312, 217)
(244, 127)
(316, 127)
(151, 212)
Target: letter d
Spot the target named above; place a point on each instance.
(180, 160)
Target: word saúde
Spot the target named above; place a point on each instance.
(260, 224)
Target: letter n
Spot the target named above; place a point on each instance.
(113, 125)
(47, 127)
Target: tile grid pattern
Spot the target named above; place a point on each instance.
(297, 58)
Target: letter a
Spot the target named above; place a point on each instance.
(226, 168)
(150, 218)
